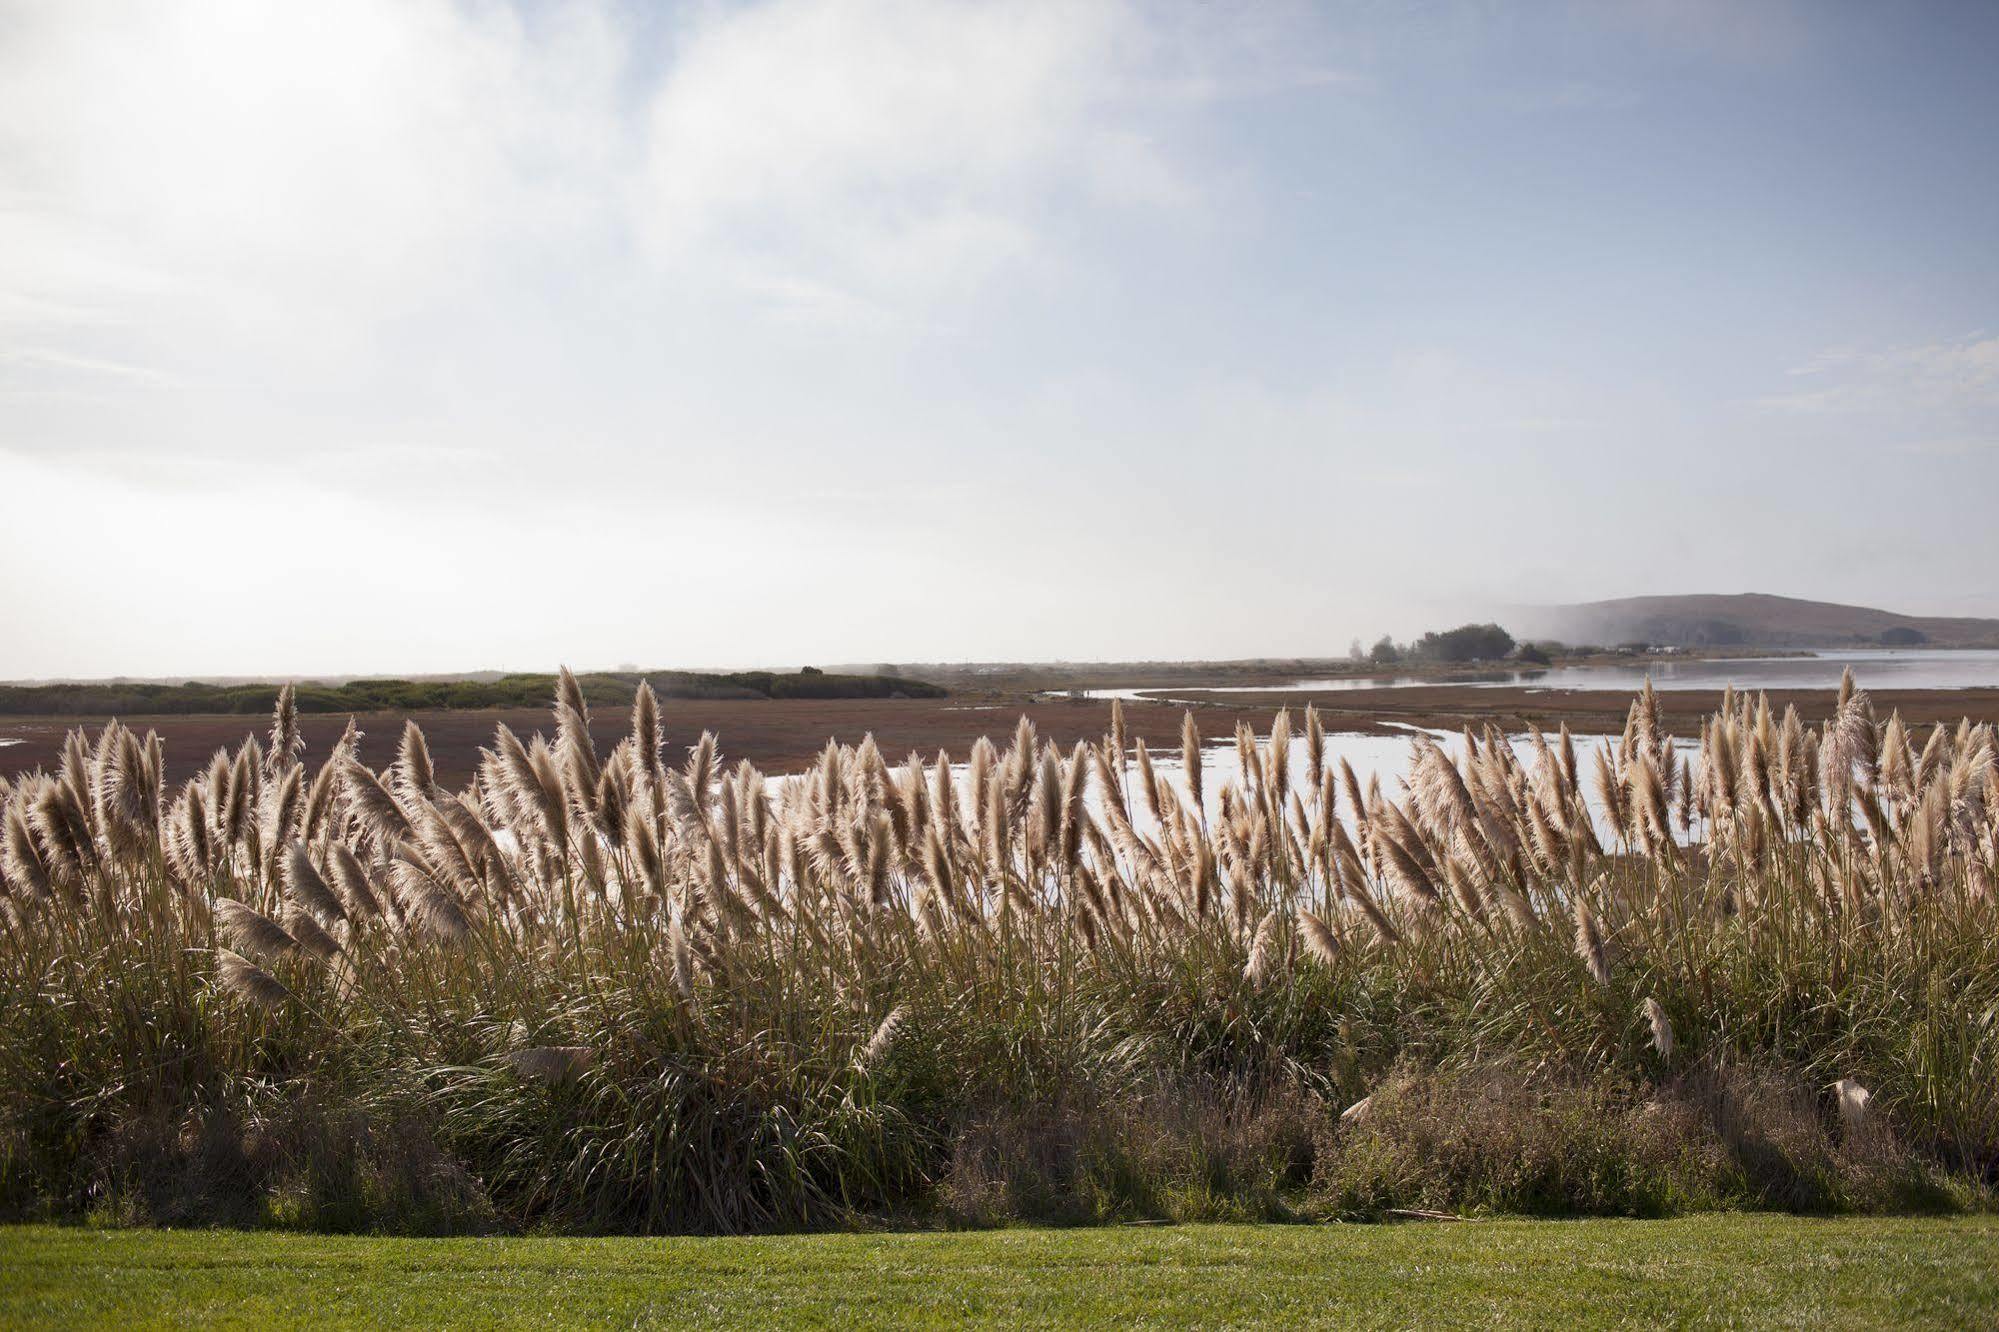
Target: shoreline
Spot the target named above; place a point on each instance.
(784, 736)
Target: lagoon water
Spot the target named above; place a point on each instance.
(1873, 668)
(1383, 758)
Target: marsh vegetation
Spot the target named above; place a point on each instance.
(592, 990)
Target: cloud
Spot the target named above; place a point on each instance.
(444, 285)
(231, 190)
(1953, 377)
(42, 363)
(890, 152)
(364, 204)
(666, 332)
(256, 162)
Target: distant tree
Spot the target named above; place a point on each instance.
(890, 670)
(1903, 636)
(810, 670)
(1384, 652)
(1532, 654)
(1467, 642)
(1356, 651)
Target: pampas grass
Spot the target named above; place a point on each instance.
(1589, 943)
(699, 950)
(1662, 1027)
(252, 930)
(248, 981)
(877, 1048)
(1320, 941)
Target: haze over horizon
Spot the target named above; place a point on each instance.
(383, 338)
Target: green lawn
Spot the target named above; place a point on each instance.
(1760, 1270)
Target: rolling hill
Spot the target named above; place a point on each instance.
(1750, 619)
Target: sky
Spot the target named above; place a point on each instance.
(423, 336)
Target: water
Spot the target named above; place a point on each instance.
(1333, 685)
(1383, 757)
(1873, 668)
(1372, 757)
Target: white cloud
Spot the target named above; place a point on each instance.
(426, 282)
(892, 151)
(732, 304)
(1953, 377)
(322, 198)
(237, 189)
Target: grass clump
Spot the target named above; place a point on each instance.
(1502, 1138)
(591, 992)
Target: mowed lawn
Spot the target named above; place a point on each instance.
(1760, 1270)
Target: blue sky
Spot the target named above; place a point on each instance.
(432, 336)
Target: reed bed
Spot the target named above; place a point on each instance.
(593, 991)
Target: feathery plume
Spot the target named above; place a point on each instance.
(1319, 939)
(248, 981)
(646, 737)
(1589, 942)
(427, 902)
(1190, 759)
(879, 1044)
(308, 888)
(373, 806)
(252, 930)
(21, 857)
(357, 894)
(1258, 968)
(1662, 1029)
(286, 742)
(313, 939)
(415, 774)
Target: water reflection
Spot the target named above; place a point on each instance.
(1874, 668)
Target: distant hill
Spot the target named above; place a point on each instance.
(1750, 619)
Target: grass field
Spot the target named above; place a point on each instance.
(1711, 1270)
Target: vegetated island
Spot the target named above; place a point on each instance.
(1443, 655)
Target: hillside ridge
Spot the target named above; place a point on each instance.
(1749, 619)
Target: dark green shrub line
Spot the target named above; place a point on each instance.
(613, 689)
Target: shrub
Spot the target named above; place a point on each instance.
(1467, 642)
(1508, 1137)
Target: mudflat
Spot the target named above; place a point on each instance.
(777, 735)
(784, 735)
